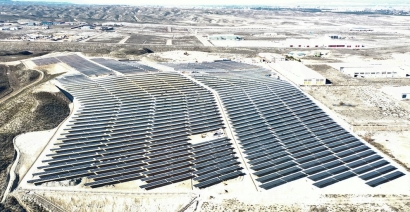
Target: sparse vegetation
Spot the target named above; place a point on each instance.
(368, 138)
(14, 77)
(11, 205)
(24, 113)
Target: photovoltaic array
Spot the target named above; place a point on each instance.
(45, 61)
(136, 127)
(124, 67)
(84, 66)
(214, 67)
(285, 136)
(91, 69)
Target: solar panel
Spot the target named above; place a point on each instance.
(386, 169)
(338, 170)
(294, 177)
(344, 176)
(377, 182)
(270, 177)
(363, 169)
(273, 184)
(385, 179)
(320, 176)
(208, 183)
(310, 164)
(379, 163)
(325, 183)
(356, 164)
(289, 171)
(372, 158)
(231, 175)
(349, 158)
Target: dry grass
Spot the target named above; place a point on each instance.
(17, 116)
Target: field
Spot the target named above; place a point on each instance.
(107, 38)
(147, 39)
(186, 41)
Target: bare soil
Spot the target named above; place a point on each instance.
(186, 41)
(146, 39)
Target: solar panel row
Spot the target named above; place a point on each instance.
(279, 127)
(123, 67)
(136, 127)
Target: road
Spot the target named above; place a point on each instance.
(94, 36)
(203, 40)
(12, 173)
(124, 40)
(14, 93)
(228, 128)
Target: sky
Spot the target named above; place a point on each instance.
(235, 2)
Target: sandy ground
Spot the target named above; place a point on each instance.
(361, 104)
(192, 56)
(30, 146)
(346, 203)
(398, 143)
(47, 87)
(57, 68)
(83, 202)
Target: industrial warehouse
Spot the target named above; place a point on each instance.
(378, 70)
(299, 73)
(201, 124)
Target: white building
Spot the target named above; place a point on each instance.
(224, 37)
(271, 57)
(361, 29)
(325, 42)
(400, 93)
(372, 70)
(87, 27)
(15, 28)
(299, 73)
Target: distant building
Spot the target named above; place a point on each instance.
(371, 70)
(271, 57)
(361, 29)
(400, 93)
(87, 27)
(15, 28)
(225, 37)
(270, 34)
(47, 23)
(111, 24)
(107, 28)
(299, 73)
(297, 54)
(326, 42)
(336, 37)
(31, 24)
